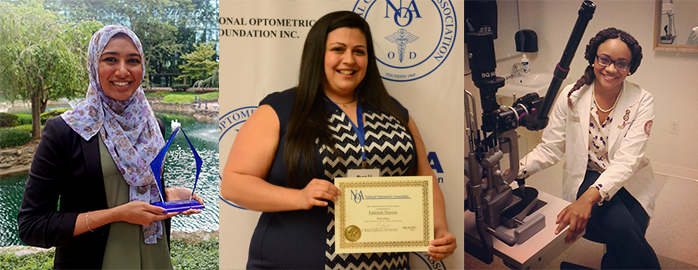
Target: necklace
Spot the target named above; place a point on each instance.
(612, 107)
(345, 103)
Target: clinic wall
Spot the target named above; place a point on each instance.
(671, 77)
(685, 19)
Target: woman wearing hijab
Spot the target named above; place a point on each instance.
(90, 186)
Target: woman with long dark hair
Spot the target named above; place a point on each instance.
(602, 124)
(288, 152)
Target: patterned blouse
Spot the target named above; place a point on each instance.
(598, 140)
(388, 146)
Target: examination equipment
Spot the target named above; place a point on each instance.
(494, 202)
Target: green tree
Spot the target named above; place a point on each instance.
(199, 64)
(167, 28)
(208, 82)
(159, 46)
(40, 58)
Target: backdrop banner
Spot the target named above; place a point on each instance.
(419, 45)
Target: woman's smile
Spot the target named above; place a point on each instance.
(346, 60)
(120, 68)
(609, 78)
(347, 72)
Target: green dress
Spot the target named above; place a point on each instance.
(126, 247)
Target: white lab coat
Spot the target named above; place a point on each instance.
(568, 132)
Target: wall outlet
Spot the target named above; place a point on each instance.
(674, 128)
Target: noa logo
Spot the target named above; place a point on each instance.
(228, 126)
(412, 38)
(233, 120)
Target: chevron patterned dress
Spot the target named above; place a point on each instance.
(389, 147)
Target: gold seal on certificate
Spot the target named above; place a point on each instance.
(352, 233)
(384, 214)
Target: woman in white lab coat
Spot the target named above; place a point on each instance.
(602, 124)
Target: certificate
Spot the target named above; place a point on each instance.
(384, 214)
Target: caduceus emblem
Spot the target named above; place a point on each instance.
(401, 38)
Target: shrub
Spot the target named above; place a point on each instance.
(195, 255)
(8, 120)
(180, 87)
(10, 137)
(206, 90)
(26, 128)
(40, 260)
(50, 114)
(185, 255)
(24, 119)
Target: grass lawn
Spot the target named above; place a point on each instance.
(181, 97)
(185, 253)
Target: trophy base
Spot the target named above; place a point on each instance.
(179, 206)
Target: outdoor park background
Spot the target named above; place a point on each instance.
(43, 73)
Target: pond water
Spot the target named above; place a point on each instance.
(179, 171)
(11, 190)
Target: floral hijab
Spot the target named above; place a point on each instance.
(128, 128)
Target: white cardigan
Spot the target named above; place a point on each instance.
(628, 166)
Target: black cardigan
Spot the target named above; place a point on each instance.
(66, 166)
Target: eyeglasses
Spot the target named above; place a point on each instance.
(618, 64)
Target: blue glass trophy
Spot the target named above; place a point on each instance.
(157, 165)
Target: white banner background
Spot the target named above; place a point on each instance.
(259, 56)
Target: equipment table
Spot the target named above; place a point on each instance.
(539, 250)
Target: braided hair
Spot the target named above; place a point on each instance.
(590, 55)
